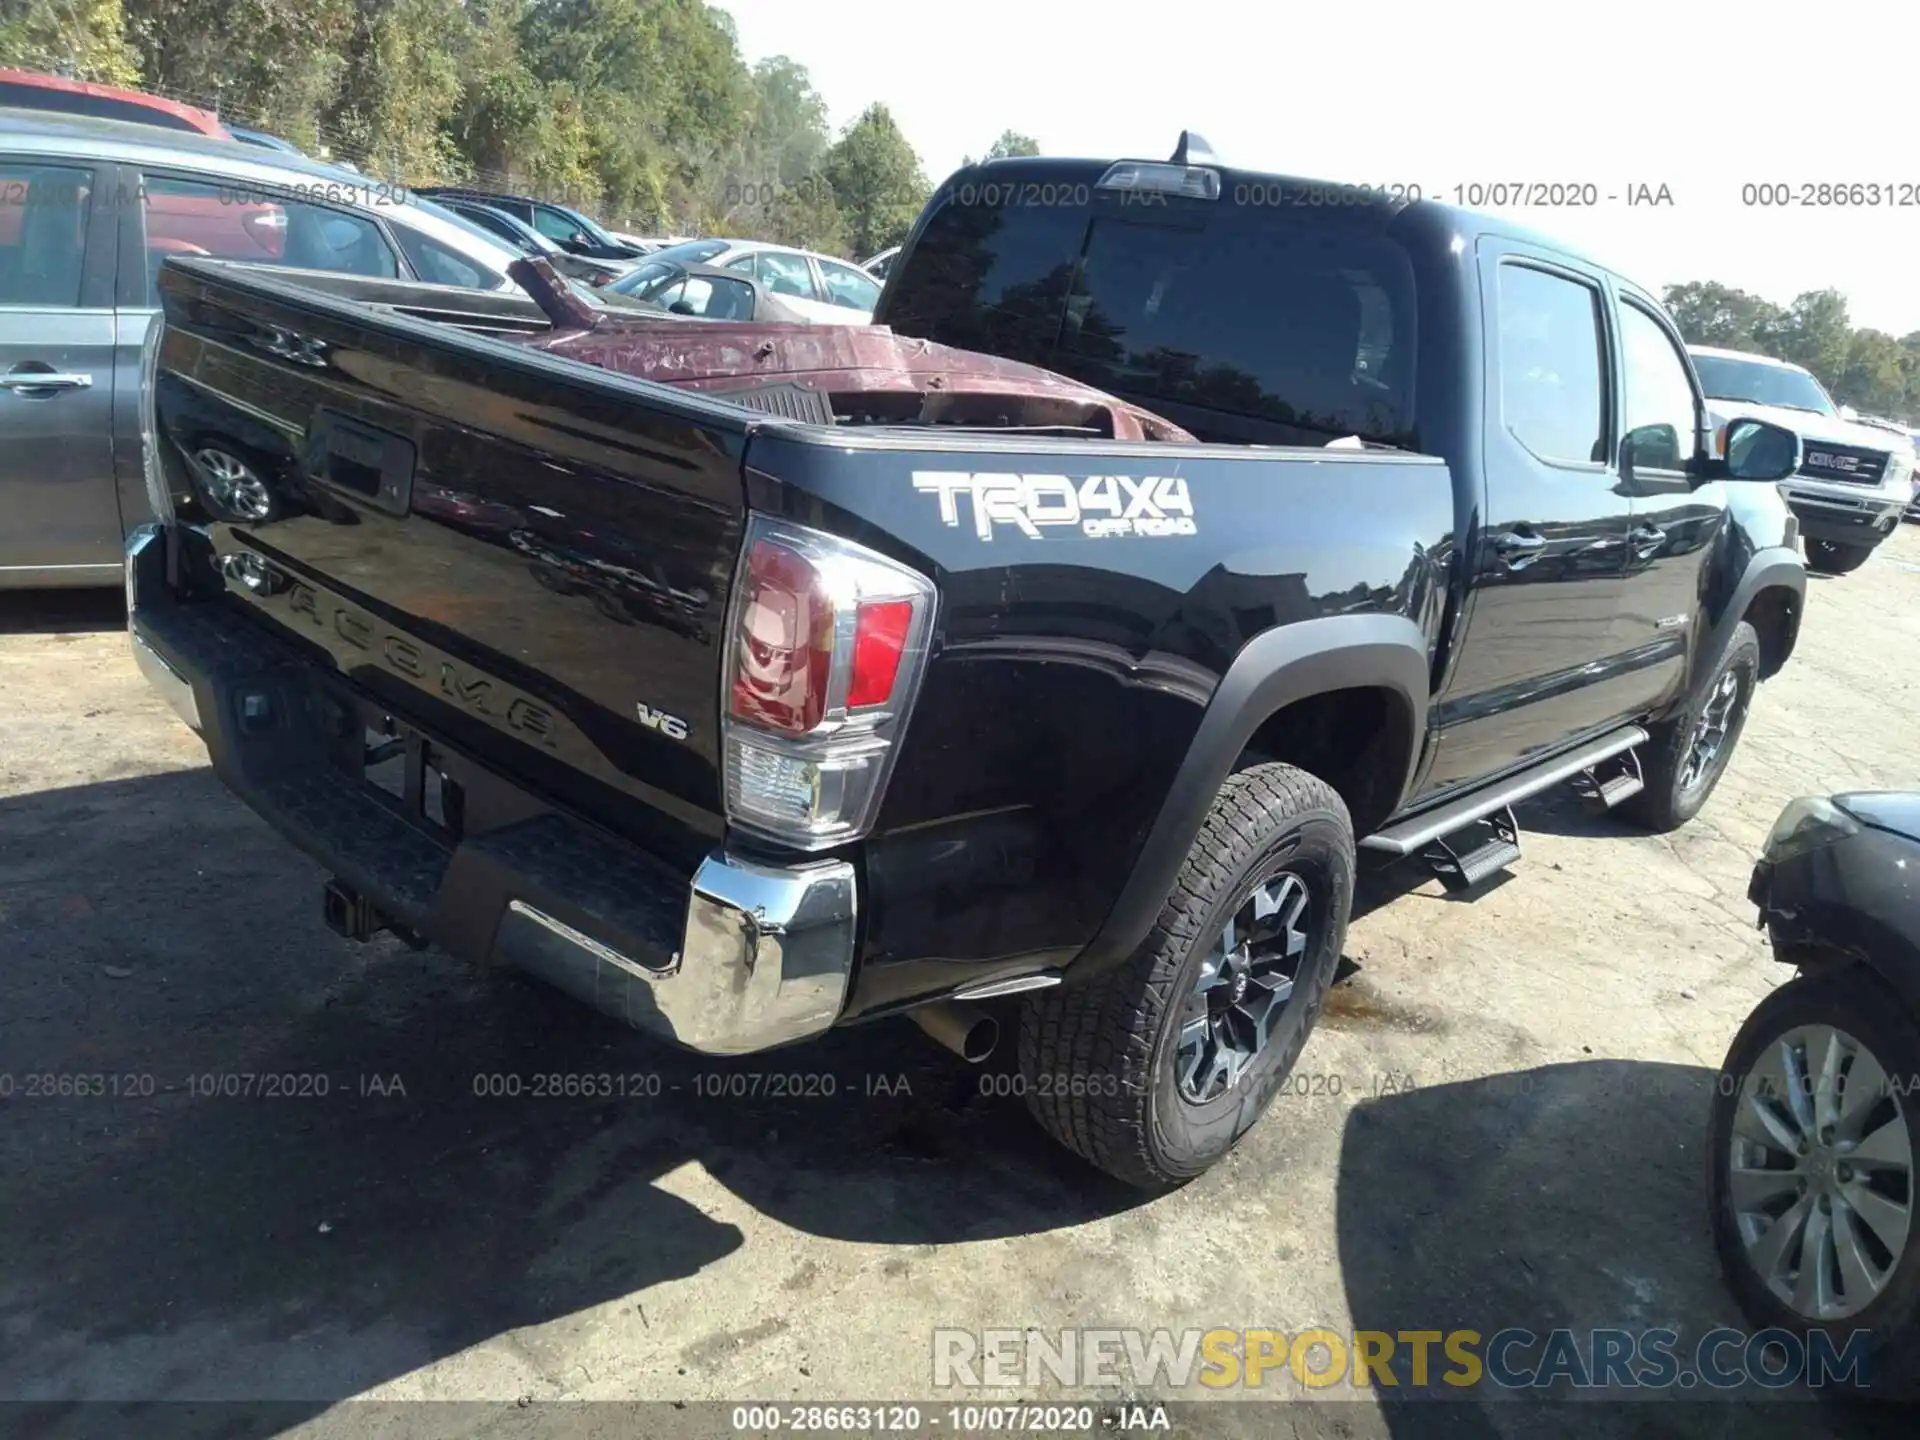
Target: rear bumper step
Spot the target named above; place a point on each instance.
(738, 957)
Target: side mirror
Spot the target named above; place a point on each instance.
(1847, 412)
(683, 307)
(1758, 450)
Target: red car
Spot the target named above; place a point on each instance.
(29, 90)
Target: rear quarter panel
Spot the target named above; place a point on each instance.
(1070, 671)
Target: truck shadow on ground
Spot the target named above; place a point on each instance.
(1473, 1206)
(402, 1177)
(62, 612)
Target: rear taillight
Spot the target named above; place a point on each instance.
(825, 646)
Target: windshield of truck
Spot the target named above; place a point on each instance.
(1758, 383)
(1303, 320)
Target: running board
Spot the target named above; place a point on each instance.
(1460, 869)
(1608, 783)
(1412, 836)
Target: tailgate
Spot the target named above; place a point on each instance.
(529, 556)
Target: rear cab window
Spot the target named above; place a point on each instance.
(1299, 319)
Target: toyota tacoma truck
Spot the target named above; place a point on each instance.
(1060, 644)
(1855, 479)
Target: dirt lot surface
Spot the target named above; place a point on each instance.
(1499, 1123)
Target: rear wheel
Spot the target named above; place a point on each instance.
(1686, 755)
(1814, 1133)
(1155, 1070)
(1830, 557)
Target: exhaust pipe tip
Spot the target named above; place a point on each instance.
(966, 1030)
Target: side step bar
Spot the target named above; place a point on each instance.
(1412, 836)
(1459, 868)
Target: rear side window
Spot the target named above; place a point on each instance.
(1307, 325)
(43, 234)
(555, 225)
(1552, 397)
(782, 274)
(193, 217)
(104, 107)
(441, 264)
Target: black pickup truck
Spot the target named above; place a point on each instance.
(746, 710)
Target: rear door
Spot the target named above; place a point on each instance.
(1539, 659)
(62, 513)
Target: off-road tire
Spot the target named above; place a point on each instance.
(1830, 557)
(1666, 804)
(1849, 997)
(1097, 1058)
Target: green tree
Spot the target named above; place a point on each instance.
(84, 39)
(275, 64)
(877, 181)
(1010, 143)
(1709, 313)
(1813, 331)
(808, 214)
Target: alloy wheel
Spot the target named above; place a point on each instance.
(1245, 981)
(1710, 730)
(1820, 1174)
(232, 484)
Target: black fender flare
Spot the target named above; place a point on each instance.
(1273, 670)
(1776, 567)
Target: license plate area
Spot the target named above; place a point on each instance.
(401, 766)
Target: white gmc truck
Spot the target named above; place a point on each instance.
(1854, 479)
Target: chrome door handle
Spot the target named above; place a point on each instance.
(1517, 551)
(44, 380)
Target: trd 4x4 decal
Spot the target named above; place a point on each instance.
(1100, 506)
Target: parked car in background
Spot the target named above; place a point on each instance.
(30, 90)
(818, 286)
(706, 292)
(1816, 1119)
(878, 265)
(264, 140)
(77, 290)
(1855, 478)
(568, 229)
(529, 241)
(648, 243)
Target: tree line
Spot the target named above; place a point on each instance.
(645, 114)
(641, 112)
(1862, 367)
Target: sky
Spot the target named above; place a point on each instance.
(1703, 97)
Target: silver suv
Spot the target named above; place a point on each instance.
(89, 209)
(1854, 479)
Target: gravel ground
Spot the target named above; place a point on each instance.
(1499, 1122)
